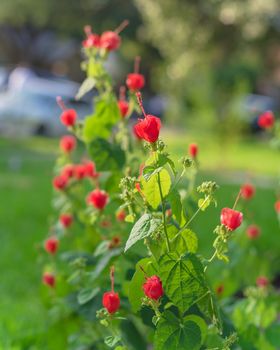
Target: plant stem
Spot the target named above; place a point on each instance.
(163, 214)
(211, 259)
(194, 215)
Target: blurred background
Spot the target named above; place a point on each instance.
(212, 67)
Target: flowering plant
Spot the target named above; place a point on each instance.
(130, 217)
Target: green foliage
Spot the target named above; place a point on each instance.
(185, 334)
(151, 188)
(144, 227)
(183, 279)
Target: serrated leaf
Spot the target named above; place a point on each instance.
(151, 189)
(87, 294)
(107, 156)
(87, 85)
(172, 333)
(184, 242)
(136, 293)
(183, 279)
(144, 227)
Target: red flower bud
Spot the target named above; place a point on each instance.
(115, 242)
(193, 150)
(153, 288)
(120, 215)
(92, 40)
(253, 231)
(266, 120)
(277, 206)
(135, 81)
(98, 199)
(111, 40)
(49, 279)
(66, 220)
(123, 107)
(80, 171)
(67, 143)
(90, 170)
(149, 127)
(231, 218)
(168, 212)
(111, 302)
(60, 182)
(51, 245)
(68, 116)
(247, 191)
(262, 281)
(68, 171)
(220, 289)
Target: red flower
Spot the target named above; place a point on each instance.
(68, 171)
(262, 281)
(277, 206)
(98, 199)
(51, 245)
(123, 107)
(135, 132)
(91, 170)
(220, 289)
(105, 223)
(247, 191)
(193, 150)
(49, 279)
(266, 120)
(120, 215)
(60, 182)
(153, 288)
(66, 220)
(149, 127)
(67, 143)
(111, 300)
(80, 171)
(253, 231)
(68, 116)
(232, 219)
(135, 81)
(168, 212)
(92, 40)
(111, 40)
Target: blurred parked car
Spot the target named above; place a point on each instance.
(28, 106)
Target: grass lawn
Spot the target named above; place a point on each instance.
(25, 181)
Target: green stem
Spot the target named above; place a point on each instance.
(211, 259)
(163, 214)
(194, 215)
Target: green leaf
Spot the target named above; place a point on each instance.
(107, 156)
(149, 171)
(183, 279)
(272, 334)
(112, 341)
(185, 241)
(136, 293)
(208, 307)
(87, 85)
(204, 204)
(144, 227)
(174, 199)
(151, 189)
(87, 294)
(106, 115)
(172, 333)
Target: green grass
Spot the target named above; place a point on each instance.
(25, 184)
